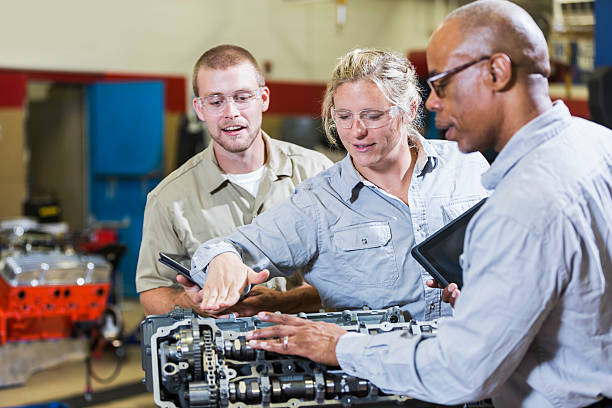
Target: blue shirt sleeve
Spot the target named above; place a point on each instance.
(281, 239)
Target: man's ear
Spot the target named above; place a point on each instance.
(197, 107)
(265, 98)
(499, 71)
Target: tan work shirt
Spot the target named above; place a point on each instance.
(197, 202)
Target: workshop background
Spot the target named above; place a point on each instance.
(95, 109)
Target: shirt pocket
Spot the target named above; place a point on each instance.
(365, 253)
(457, 206)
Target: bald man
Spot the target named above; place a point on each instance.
(533, 324)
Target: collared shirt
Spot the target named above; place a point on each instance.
(355, 240)
(198, 202)
(533, 324)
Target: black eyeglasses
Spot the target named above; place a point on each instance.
(434, 80)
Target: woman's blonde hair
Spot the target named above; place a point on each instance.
(392, 73)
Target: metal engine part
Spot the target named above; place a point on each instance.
(54, 268)
(190, 361)
(30, 257)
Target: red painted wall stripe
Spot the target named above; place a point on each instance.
(291, 98)
(288, 98)
(12, 89)
(578, 107)
(419, 61)
(13, 84)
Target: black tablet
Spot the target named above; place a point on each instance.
(180, 263)
(439, 253)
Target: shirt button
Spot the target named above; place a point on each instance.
(432, 306)
(364, 241)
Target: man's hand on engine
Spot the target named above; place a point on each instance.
(292, 335)
(260, 298)
(192, 291)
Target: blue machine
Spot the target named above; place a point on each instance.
(126, 122)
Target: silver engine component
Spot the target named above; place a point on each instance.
(190, 361)
(32, 257)
(54, 268)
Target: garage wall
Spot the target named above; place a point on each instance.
(298, 37)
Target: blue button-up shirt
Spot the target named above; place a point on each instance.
(353, 239)
(533, 324)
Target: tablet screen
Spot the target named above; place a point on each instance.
(439, 253)
(180, 263)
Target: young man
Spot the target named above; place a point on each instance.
(241, 174)
(533, 324)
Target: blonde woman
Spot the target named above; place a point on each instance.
(352, 226)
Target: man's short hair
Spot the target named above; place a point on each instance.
(223, 57)
(492, 26)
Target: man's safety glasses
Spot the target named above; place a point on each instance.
(217, 102)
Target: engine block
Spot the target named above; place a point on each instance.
(190, 361)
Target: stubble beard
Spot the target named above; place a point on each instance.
(236, 144)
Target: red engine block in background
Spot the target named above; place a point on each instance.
(46, 312)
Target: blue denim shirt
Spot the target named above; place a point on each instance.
(532, 326)
(353, 239)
